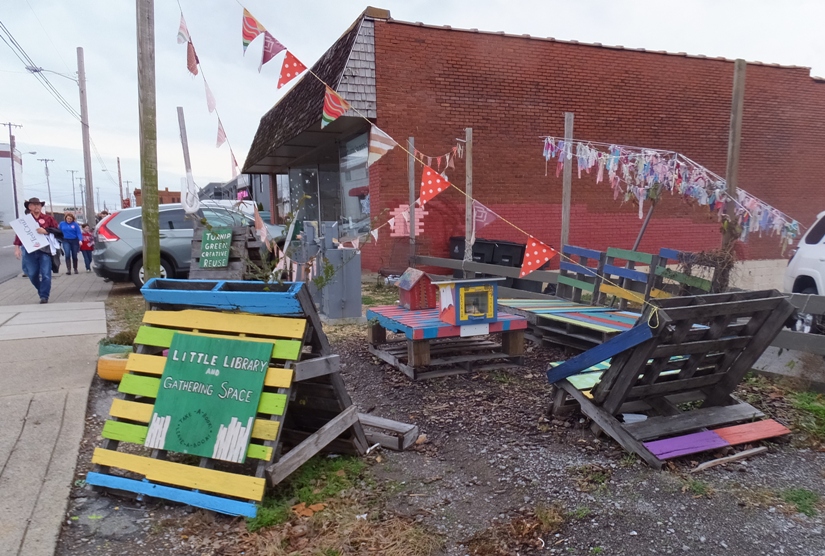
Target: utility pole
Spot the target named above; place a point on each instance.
(83, 200)
(468, 199)
(147, 115)
(411, 183)
(13, 174)
(74, 199)
(48, 185)
(98, 197)
(84, 125)
(734, 141)
(128, 192)
(567, 178)
(120, 182)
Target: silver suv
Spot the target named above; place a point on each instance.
(118, 253)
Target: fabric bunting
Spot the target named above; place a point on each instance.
(210, 98)
(221, 134)
(191, 58)
(234, 164)
(290, 70)
(374, 234)
(482, 216)
(334, 107)
(272, 47)
(535, 255)
(432, 183)
(380, 144)
(183, 32)
(250, 29)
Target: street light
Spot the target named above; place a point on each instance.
(35, 69)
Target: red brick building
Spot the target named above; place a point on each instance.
(431, 82)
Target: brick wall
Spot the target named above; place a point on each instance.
(434, 82)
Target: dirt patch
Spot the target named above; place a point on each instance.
(124, 309)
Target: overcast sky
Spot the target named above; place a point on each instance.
(50, 31)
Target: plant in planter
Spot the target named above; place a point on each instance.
(119, 343)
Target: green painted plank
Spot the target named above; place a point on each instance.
(162, 337)
(585, 381)
(693, 281)
(627, 255)
(581, 284)
(124, 432)
(272, 404)
(258, 452)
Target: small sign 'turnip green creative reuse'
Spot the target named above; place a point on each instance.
(215, 248)
(208, 396)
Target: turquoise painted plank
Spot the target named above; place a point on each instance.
(192, 498)
(258, 302)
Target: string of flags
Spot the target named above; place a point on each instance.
(639, 174)
(251, 29)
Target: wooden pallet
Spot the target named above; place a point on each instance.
(244, 256)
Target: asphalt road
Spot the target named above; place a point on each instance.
(9, 266)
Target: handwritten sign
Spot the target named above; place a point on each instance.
(208, 396)
(215, 248)
(26, 229)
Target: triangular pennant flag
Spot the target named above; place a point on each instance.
(429, 161)
(451, 161)
(439, 163)
(535, 255)
(250, 29)
(374, 234)
(221, 134)
(234, 164)
(380, 144)
(334, 107)
(391, 223)
(290, 70)
(432, 183)
(183, 32)
(210, 99)
(191, 58)
(272, 47)
(481, 217)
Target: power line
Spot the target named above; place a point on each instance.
(48, 36)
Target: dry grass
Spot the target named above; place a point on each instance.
(520, 533)
(124, 309)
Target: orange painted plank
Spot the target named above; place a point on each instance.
(751, 432)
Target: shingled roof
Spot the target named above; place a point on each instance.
(302, 106)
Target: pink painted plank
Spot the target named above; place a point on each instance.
(687, 444)
(751, 432)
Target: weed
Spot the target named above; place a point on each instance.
(551, 518)
(580, 513)
(591, 477)
(804, 500)
(628, 460)
(271, 512)
(812, 413)
(697, 488)
(597, 550)
(501, 377)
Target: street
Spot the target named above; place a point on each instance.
(9, 265)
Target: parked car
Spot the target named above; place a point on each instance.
(806, 272)
(118, 252)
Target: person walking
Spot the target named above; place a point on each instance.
(87, 245)
(72, 234)
(38, 264)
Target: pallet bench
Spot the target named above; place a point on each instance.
(432, 348)
(683, 349)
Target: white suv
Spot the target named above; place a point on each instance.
(806, 271)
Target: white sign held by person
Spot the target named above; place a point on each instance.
(26, 229)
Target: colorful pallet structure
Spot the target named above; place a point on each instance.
(304, 407)
(683, 349)
(432, 348)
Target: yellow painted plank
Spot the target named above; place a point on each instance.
(263, 429)
(162, 337)
(623, 293)
(276, 377)
(189, 476)
(659, 294)
(587, 394)
(235, 323)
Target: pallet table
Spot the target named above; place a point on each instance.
(432, 348)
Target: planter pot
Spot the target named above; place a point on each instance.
(112, 366)
(105, 349)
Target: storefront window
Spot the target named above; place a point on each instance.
(355, 195)
(303, 192)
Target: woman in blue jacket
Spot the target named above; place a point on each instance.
(72, 234)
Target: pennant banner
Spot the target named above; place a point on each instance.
(432, 183)
(374, 234)
(183, 32)
(250, 30)
(210, 99)
(535, 255)
(380, 144)
(272, 47)
(234, 164)
(290, 70)
(482, 216)
(221, 134)
(191, 58)
(334, 107)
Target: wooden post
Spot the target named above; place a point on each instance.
(89, 198)
(734, 141)
(418, 353)
(120, 182)
(512, 343)
(468, 200)
(147, 115)
(567, 178)
(411, 180)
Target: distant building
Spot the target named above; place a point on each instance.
(164, 197)
(7, 196)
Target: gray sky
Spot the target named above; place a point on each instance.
(50, 30)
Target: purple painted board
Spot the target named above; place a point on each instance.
(687, 444)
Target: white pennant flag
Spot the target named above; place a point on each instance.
(189, 195)
(374, 234)
(210, 99)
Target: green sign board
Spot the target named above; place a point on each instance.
(208, 396)
(215, 248)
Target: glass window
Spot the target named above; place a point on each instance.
(355, 196)
(175, 220)
(136, 223)
(303, 193)
(816, 233)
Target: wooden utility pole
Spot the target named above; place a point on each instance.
(13, 173)
(74, 197)
(567, 178)
(737, 106)
(83, 201)
(120, 182)
(147, 116)
(190, 205)
(468, 200)
(411, 180)
(84, 127)
(48, 185)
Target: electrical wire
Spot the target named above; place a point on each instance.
(48, 36)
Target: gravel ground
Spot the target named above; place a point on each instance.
(491, 455)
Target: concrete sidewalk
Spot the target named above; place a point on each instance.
(49, 354)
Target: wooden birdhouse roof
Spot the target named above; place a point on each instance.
(410, 278)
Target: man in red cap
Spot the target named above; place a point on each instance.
(38, 264)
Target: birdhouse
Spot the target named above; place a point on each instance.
(416, 290)
(465, 302)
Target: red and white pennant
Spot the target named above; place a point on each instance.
(535, 255)
(432, 183)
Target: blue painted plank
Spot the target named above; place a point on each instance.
(625, 273)
(573, 267)
(207, 501)
(671, 254)
(581, 251)
(283, 303)
(610, 348)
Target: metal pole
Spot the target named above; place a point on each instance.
(98, 196)
(83, 200)
(84, 126)
(120, 182)
(74, 197)
(468, 199)
(48, 185)
(411, 180)
(128, 193)
(734, 141)
(567, 178)
(13, 173)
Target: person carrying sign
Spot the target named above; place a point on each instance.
(38, 262)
